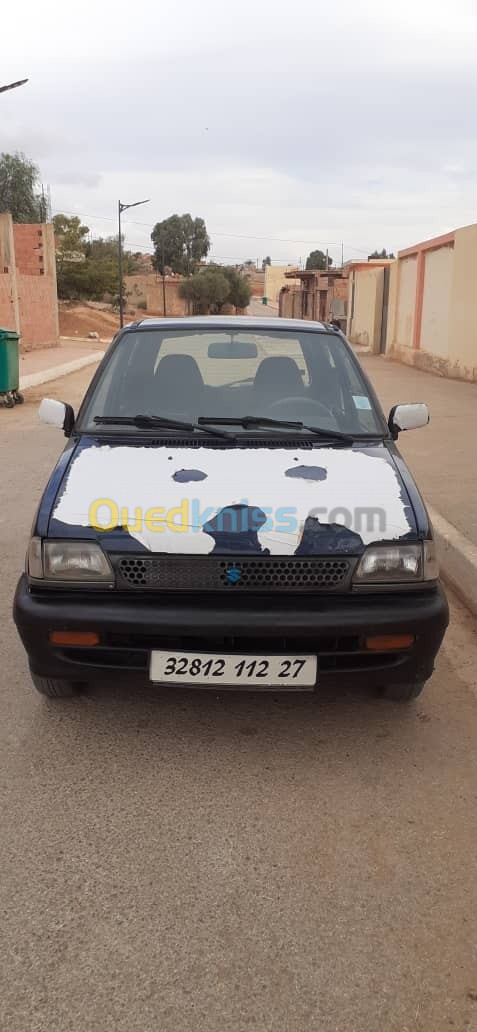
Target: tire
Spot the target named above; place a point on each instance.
(54, 687)
(402, 692)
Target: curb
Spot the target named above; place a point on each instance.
(45, 375)
(458, 559)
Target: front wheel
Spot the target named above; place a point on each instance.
(55, 687)
(402, 692)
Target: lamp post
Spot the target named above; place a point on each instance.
(163, 278)
(13, 85)
(123, 207)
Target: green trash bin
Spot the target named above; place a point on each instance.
(264, 300)
(9, 369)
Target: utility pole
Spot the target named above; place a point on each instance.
(327, 260)
(120, 268)
(342, 254)
(123, 207)
(163, 278)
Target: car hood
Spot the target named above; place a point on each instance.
(193, 500)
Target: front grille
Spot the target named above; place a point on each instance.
(214, 573)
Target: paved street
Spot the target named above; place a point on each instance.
(188, 863)
(441, 455)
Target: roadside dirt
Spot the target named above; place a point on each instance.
(79, 320)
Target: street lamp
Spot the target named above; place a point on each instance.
(13, 85)
(123, 207)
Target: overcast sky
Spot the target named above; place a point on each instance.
(286, 126)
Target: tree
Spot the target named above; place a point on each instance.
(380, 254)
(87, 281)
(207, 289)
(105, 249)
(19, 181)
(214, 287)
(183, 241)
(317, 260)
(69, 237)
(240, 290)
(266, 261)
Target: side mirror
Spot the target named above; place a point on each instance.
(408, 417)
(57, 413)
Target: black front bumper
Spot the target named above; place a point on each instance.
(333, 627)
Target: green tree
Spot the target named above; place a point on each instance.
(87, 281)
(317, 260)
(106, 249)
(206, 289)
(215, 286)
(19, 194)
(266, 261)
(240, 290)
(183, 241)
(381, 254)
(69, 237)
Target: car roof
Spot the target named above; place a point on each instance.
(230, 322)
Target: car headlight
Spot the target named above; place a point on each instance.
(69, 561)
(386, 564)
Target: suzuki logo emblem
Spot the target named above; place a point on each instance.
(233, 574)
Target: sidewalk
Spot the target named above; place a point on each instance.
(256, 307)
(45, 364)
(443, 455)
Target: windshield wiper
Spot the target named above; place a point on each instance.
(152, 422)
(251, 421)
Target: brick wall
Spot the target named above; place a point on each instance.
(29, 242)
(28, 299)
(38, 316)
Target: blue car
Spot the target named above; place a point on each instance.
(231, 511)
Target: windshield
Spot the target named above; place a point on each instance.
(184, 375)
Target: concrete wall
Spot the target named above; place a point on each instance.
(9, 310)
(436, 300)
(290, 303)
(432, 320)
(275, 280)
(463, 306)
(365, 314)
(138, 285)
(28, 298)
(407, 276)
(175, 305)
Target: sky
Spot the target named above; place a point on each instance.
(287, 127)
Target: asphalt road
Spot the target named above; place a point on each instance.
(188, 863)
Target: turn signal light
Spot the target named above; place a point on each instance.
(74, 637)
(382, 642)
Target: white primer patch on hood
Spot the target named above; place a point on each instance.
(142, 478)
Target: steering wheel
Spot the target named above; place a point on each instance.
(316, 408)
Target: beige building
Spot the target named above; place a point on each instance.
(432, 317)
(368, 290)
(276, 277)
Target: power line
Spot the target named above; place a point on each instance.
(232, 236)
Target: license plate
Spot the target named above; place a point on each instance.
(241, 671)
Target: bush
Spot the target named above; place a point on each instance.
(86, 281)
(207, 289)
(214, 287)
